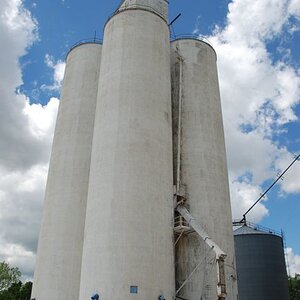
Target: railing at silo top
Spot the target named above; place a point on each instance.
(133, 7)
(84, 41)
(191, 36)
(259, 228)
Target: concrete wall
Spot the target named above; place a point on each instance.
(58, 265)
(203, 174)
(108, 215)
(159, 6)
(129, 221)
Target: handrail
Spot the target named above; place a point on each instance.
(187, 36)
(84, 41)
(135, 6)
(142, 6)
(257, 227)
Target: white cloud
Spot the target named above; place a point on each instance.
(58, 68)
(41, 118)
(253, 21)
(244, 194)
(259, 95)
(294, 8)
(21, 199)
(290, 183)
(26, 135)
(293, 261)
(262, 92)
(17, 256)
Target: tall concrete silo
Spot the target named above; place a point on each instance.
(200, 172)
(128, 246)
(58, 266)
(260, 262)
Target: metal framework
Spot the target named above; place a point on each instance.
(186, 223)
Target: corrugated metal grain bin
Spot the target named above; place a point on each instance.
(260, 262)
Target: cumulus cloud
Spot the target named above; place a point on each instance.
(293, 261)
(290, 183)
(16, 255)
(294, 8)
(41, 119)
(21, 196)
(259, 96)
(26, 135)
(243, 195)
(58, 68)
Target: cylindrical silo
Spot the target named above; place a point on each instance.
(128, 246)
(260, 264)
(58, 265)
(200, 170)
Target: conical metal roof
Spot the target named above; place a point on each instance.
(248, 230)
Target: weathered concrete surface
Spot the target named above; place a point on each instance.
(159, 6)
(57, 273)
(203, 176)
(129, 221)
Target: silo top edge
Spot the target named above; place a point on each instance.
(252, 230)
(125, 0)
(122, 1)
(137, 7)
(199, 38)
(84, 42)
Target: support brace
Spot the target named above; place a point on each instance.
(220, 254)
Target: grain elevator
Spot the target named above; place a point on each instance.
(137, 201)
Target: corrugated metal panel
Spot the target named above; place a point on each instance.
(261, 266)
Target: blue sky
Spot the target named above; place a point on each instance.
(257, 42)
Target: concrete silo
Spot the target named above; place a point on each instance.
(128, 246)
(260, 263)
(58, 266)
(130, 147)
(200, 173)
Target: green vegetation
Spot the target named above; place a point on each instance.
(11, 288)
(294, 287)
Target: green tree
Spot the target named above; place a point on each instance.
(294, 287)
(8, 276)
(14, 290)
(11, 288)
(5, 295)
(25, 291)
(17, 291)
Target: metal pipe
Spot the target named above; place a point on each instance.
(198, 228)
(179, 126)
(220, 254)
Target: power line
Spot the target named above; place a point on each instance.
(268, 189)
